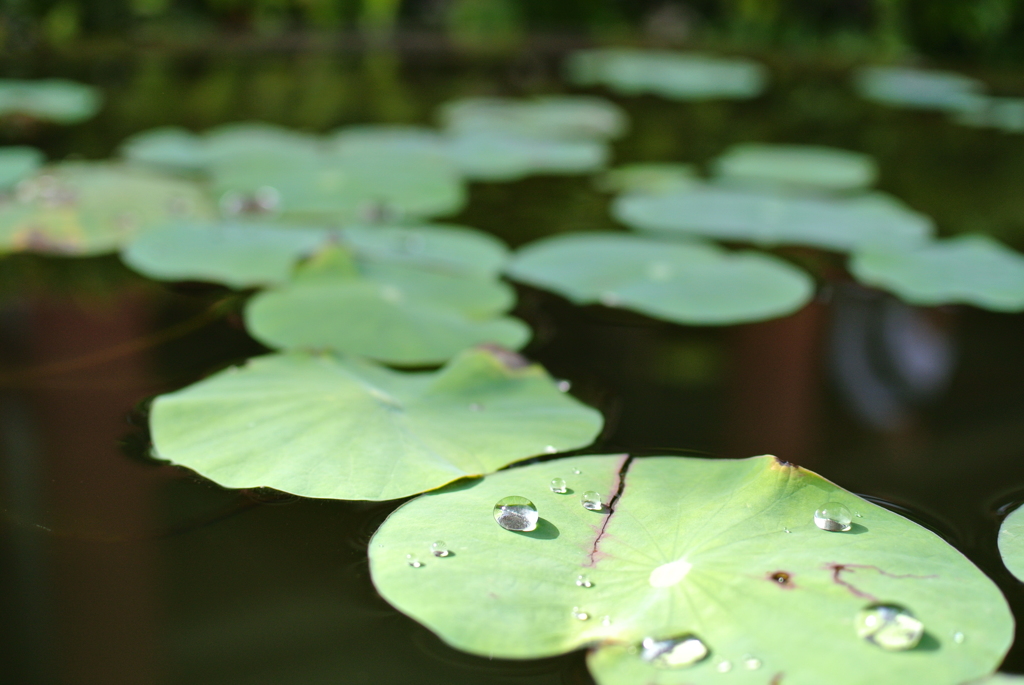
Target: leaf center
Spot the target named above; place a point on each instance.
(669, 574)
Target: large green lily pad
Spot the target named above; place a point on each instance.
(56, 100)
(557, 117)
(439, 247)
(726, 550)
(918, 88)
(808, 166)
(673, 75)
(968, 269)
(392, 312)
(16, 163)
(91, 208)
(1011, 542)
(345, 428)
(689, 283)
(765, 218)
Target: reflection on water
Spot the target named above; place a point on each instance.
(135, 571)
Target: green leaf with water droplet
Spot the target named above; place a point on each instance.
(801, 166)
(967, 269)
(345, 428)
(689, 283)
(726, 550)
(92, 208)
(773, 218)
(56, 100)
(1011, 542)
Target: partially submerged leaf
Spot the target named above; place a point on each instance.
(552, 117)
(689, 283)
(765, 218)
(1011, 542)
(56, 100)
(724, 550)
(674, 75)
(808, 166)
(968, 269)
(16, 163)
(345, 428)
(648, 177)
(918, 88)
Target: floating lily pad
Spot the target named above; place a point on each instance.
(170, 148)
(345, 428)
(1002, 113)
(810, 166)
(236, 254)
(648, 177)
(558, 117)
(389, 138)
(673, 75)
(726, 551)
(56, 100)
(688, 283)
(394, 313)
(496, 156)
(840, 224)
(91, 208)
(440, 247)
(1011, 542)
(16, 163)
(969, 269)
(918, 88)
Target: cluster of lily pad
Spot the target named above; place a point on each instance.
(671, 570)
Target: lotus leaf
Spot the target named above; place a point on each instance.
(557, 117)
(56, 100)
(391, 312)
(688, 283)
(16, 163)
(918, 88)
(810, 166)
(725, 550)
(170, 148)
(969, 269)
(1011, 542)
(648, 177)
(442, 247)
(345, 428)
(91, 208)
(1002, 113)
(832, 223)
(495, 156)
(673, 75)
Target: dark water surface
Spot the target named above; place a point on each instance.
(118, 569)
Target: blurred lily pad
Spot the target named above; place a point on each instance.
(918, 88)
(673, 75)
(387, 137)
(772, 218)
(558, 117)
(968, 269)
(1011, 542)
(726, 552)
(391, 312)
(56, 100)
(1001, 113)
(345, 428)
(441, 247)
(91, 208)
(16, 163)
(648, 177)
(807, 166)
(688, 283)
(496, 156)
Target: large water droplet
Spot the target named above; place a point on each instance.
(592, 500)
(439, 549)
(834, 517)
(676, 652)
(579, 614)
(413, 561)
(516, 513)
(583, 581)
(889, 626)
(558, 486)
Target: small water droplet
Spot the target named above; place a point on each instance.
(676, 652)
(413, 561)
(724, 666)
(580, 614)
(592, 500)
(576, 471)
(606, 620)
(476, 406)
(751, 662)
(516, 513)
(889, 626)
(859, 515)
(558, 486)
(439, 549)
(583, 581)
(833, 517)
(551, 449)
(958, 637)
(563, 386)
(787, 530)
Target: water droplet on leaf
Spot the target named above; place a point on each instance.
(958, 637)
(576, 471)
(551, 449)
(834, 517)
(558, 486)
(592, 500)
(751, 662)
(413, 561)
(606, 620)
(677, 652)
(516, 513)
(889, 626)
(439, 549)
(724, 666)
(580, 614)
(583, 581)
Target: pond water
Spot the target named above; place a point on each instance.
(117, 568)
